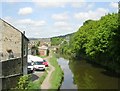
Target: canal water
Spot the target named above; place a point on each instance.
(82, 75)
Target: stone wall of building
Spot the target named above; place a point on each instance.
(11, 69)
(1, 36)
(11, 40)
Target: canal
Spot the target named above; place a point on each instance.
(82, 75)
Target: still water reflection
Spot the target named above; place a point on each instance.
(82, 75)
(68, 76)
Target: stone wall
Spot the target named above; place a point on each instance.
(11, 71)
(10, 82)
(12, 66)
(10, 40)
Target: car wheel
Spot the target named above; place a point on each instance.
(34, 69)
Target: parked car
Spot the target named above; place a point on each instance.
(45, 63)
(30, 67)
(38, 65)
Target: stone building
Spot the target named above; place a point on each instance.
(32, 49)
(45, 41)
(43, 50)
(13, 55)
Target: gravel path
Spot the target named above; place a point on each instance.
(46, 83)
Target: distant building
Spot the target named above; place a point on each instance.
(45, 41)
(13, 55)
(32, 47)
(35, 44)
(43, 50)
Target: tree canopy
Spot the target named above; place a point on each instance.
(98, 40)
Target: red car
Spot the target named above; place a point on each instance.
(45, 63)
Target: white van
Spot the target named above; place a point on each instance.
(30, 67)
(37, 62)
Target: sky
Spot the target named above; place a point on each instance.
(49, 18)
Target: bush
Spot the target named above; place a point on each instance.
(24, 82)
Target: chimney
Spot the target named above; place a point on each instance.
(24, 32)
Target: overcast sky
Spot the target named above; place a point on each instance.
(43, 19)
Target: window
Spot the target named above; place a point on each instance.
(25, 50)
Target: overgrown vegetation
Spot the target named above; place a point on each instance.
(57, 75)
(97, 41)
(55, 41)
(26, 84)
(37, 84)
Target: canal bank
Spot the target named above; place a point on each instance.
(57, 75)
(78, 74)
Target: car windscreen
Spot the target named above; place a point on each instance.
(29, 64)
(38, 63)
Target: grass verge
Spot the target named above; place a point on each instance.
(37, 84)
(57, 75)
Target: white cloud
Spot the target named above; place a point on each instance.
(54, 3)
(33, 23)
(8, 18)
(114, 5)
(63, 25)
(36, 28)
(25, 21)
(50, 4)
(95, 15)
(91, 5)
(25, 11)
(82, 5)
(78, 4)
(15, 1)
(60, 16)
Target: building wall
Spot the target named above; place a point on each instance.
(42, 52)
(11, 66)
(24, 53)
(11, 71)
(11, 39)
(1, 26)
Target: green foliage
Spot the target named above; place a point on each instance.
(57, 75)
(97, 40)
(59, 40)
(56, 40)
(35, 48)
(24, 82)
(38, 44)
(37, 84)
